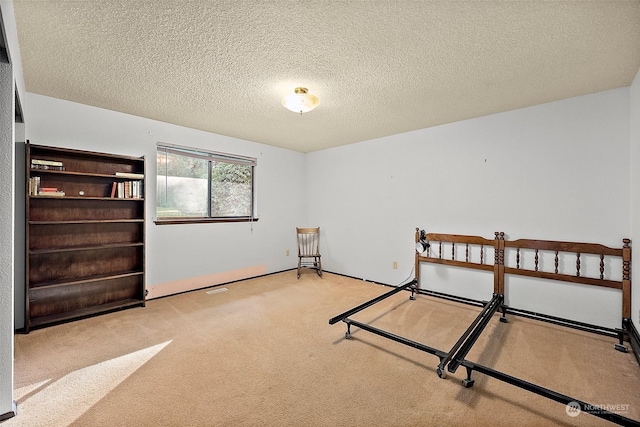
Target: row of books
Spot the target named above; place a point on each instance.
(35, 189)
(119, 189)
(47, 164)
(127, 190)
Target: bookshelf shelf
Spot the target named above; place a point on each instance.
(79, 174)
(85, 243)
(98, 221)
(131, 199)
(55, 250)
(60, 284)
(84, 312)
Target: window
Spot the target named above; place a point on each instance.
(197, 186)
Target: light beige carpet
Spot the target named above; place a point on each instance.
(263, 354)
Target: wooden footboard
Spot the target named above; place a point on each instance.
(577, 254)
(446, 249)
(584, 263)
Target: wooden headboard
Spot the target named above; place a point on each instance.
(479, 253)
(544, 259)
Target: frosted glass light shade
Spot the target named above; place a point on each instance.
(300, 101)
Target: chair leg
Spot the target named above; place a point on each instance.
(319, 267)
(299, 266)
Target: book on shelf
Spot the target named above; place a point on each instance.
(51, 194)
(137, 189)
(34, 185)
(47, 164)
(130, 175)
(35, 189)
(127, 190)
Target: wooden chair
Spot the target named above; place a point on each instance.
(309, 249)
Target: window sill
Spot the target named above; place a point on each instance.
(165, 221)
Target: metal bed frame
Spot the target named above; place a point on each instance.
(456, 356)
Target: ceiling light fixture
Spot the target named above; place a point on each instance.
(300, 101)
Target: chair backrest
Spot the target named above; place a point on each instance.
(308, 241)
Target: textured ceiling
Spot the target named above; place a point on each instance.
(378, 67)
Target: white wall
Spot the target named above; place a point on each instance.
(178, 252)
(634, 138)
(11, 78)
(7, 177)
(554, 171)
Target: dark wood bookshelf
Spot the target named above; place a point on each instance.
(85, 248)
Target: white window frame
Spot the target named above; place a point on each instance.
(210, 156)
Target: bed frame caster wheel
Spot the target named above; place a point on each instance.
(347, 336)
(622, 348)
(441, 373)
(504, 320)
(467, 383)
